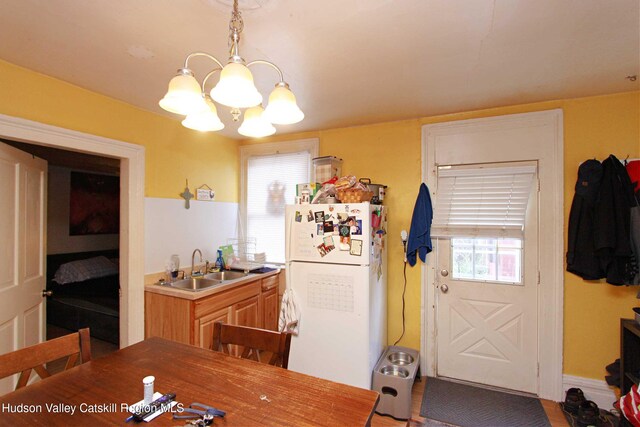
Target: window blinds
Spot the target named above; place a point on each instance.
(482, 201)
(271, 183)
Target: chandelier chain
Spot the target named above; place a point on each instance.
(236, 25)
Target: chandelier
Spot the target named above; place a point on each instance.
(235, 89)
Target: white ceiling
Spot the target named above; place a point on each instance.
(349, 62)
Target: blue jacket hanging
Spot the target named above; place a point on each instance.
(419, 242)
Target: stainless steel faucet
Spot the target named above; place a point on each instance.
(193, 257)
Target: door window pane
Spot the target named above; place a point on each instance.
(487, 259)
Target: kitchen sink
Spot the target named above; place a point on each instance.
(207, 281)
(195, 283)
(226, 275)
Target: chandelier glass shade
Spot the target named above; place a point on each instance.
(235, 89)
(282, 108)
(255, 123)
(205, 120)
(184, 95)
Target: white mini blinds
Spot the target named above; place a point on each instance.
(480, 201)
(271, 183)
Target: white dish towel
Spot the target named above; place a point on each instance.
(289, 313)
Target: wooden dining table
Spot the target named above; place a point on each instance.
(251, 393)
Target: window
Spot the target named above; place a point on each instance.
(482, 209)
(486, 259)
(270, 173)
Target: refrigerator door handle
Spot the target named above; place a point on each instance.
(287, 246)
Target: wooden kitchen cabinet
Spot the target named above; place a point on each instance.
(205, 325)
(247, 313)
(179, 318)
(269, 298)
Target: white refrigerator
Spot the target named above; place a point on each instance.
(336, 265)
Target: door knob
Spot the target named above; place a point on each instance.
(444, 288)
(46, 293)
(444, 273)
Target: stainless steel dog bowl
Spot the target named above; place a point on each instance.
(400, 358)
(394, 371)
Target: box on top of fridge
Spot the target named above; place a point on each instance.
(311, 187)
(327, 167)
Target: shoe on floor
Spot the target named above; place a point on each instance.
(588, 414)
(573, 399)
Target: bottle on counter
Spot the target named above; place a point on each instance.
(219, 265)
(173, 266)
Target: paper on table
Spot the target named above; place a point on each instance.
(157, 395)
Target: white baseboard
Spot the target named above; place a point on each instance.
(596, 390)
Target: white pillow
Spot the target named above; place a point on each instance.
(85, 269)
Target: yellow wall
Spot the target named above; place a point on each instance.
(173, 153)
(596, 127)
(389, 153)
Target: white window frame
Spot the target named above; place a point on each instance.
(248, 151)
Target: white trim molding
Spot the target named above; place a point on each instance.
(132, 174)
(524, 131)
(596, 390)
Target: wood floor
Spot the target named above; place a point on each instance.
(552, 409)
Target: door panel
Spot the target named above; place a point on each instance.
(270, 309)
(8, 342)
(8, 236)
(34, 220)
(22, 272)
(247, 313)
(487, 331)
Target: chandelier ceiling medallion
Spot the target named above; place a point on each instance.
(235, 89)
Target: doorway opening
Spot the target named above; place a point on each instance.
(130, 159)
(82, 253)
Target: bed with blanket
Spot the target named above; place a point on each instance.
(85, 290)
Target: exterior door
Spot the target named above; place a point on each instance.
(22, 252)
(487, 321)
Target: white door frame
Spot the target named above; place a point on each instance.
(132, 171)
(551, 258)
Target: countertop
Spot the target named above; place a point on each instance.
(189, 295)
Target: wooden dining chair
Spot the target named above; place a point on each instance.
(35, 357)
(257, 344)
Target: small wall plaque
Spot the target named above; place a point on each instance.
(205, 193)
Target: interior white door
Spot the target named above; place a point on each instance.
(487, 331)
(22, 250)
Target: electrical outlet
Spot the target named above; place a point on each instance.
(403, 236)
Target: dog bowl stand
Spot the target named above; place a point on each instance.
(393, 378)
